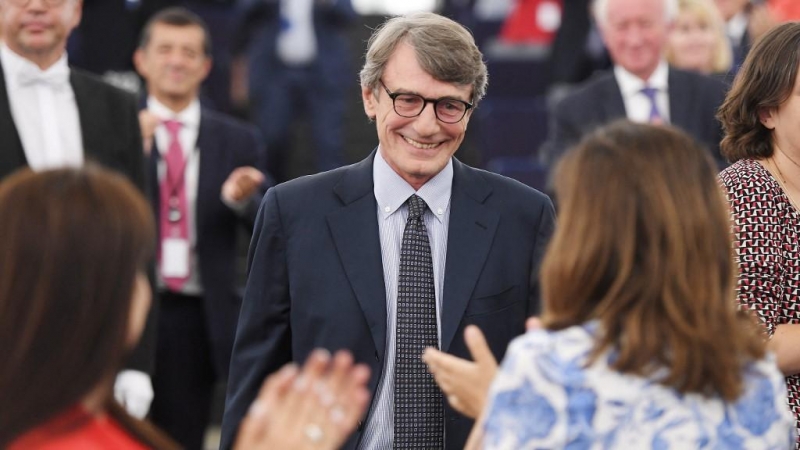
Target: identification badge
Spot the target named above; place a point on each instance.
(174, 258)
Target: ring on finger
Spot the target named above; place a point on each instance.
(313, 432)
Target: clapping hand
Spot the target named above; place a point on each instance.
(242, 183)
(465, 383)
(313, 408)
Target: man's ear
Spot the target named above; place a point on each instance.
(138, 62)
(370, 102)
(207, 65)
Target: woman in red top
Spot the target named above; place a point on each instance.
(74, 247)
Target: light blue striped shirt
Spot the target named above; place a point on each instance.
(391, 193)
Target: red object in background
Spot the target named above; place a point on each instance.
(532, 22)
(785, 10)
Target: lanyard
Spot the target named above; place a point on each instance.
(174, 213)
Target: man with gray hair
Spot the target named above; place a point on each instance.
(396, 253)
(641, 87)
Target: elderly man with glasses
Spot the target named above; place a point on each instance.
(398, 252)
(54, 116)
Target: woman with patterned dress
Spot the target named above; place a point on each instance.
(761, 119)
(640, 345)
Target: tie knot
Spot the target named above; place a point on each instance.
(416, 206)
(173, 126)
(650, 92)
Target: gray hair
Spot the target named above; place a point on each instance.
(600, 10)
(445, 49)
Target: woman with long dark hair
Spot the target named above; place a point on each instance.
(74, 245)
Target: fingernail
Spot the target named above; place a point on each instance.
(257, 410)
(322, 354)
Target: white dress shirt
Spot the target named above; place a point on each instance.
(297, 42)
(45, 114)
(391, 193)
(637, 104)
(190, 120)
(736, 27)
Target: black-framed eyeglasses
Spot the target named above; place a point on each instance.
(48, 3)
(446, 109)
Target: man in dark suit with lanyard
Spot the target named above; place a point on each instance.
(398, 252)
(205, 173)
(55, 116)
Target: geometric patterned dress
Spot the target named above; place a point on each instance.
(766, 229)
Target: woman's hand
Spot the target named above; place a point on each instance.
(465, 383)
(316, 408)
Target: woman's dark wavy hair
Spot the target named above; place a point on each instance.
(71, 244)
(643, 245)
(764, 82)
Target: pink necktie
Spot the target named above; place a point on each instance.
(173, 210)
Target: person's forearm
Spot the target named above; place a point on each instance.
(785, 344)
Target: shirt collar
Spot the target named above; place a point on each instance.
(14, 63)
(736, 27)
(189, 117)
(392, 191)
(630, 84)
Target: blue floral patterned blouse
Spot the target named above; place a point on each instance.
(544, 398)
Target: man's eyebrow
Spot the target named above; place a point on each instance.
(445, 97)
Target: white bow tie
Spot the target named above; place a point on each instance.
(56, 77)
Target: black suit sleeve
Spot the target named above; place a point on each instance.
(263, 335)
(143, 356)
(547, 222)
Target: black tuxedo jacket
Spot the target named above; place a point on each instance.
(693, 102)
(223, 144)
(316, 277)
(111, 137)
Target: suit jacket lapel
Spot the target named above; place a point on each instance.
(680, 107)
(12, 155)
(612, 103)
(355, 232)
(207, 138)
(472, 229)
(154, 189)
(88, 115)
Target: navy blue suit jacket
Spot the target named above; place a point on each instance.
(223, 144)
(693, 103)
(316, 277)
(258, 34)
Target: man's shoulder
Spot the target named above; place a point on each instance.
(318, 184)
(97, 86)
(227, 122)
(589, 88)
(499, 186)
(588, 92)
(704, 83)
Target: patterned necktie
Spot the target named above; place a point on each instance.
(173, 210)
(655, 115)
(418, 409)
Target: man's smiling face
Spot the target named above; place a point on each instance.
(417, 148)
